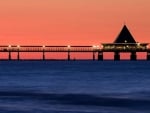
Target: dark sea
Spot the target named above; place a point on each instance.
(74, 87)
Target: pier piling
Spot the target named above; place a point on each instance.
(133, 56)
(68, 55)
(148, 55)
(100, 56)
(9, 55)
(116, 56)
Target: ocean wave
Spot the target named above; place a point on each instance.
(82, 99)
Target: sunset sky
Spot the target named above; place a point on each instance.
(73, 22)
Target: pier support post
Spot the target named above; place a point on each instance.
(18, 56)
(133, 56)
(9, 55)
(100, 56)
(43, 55)
(148, 55)
(93, 56)
(117, 56)
(68, 55)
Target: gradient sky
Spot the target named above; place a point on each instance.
(72, 22)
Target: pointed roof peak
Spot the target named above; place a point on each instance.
(124, 26)
(125, 36)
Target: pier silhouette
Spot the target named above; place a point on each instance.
(124, 43)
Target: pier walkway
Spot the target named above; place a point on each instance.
(95, 50)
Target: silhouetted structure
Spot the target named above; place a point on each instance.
(123, 43)
(125, 36)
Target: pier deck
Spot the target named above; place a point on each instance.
(100, 49)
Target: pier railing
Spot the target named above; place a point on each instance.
(47, 48)
(106, 48)
(115, 48)
(125, 47)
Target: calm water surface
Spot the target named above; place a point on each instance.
(74, 87)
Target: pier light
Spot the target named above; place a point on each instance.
(147, 46)
(138, 44)
(9, 46)
(43, 48)
(97, 46)
(125, 41)
(18, 46)
(94, 46)
(101, 46)
(68, 46)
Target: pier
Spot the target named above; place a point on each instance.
(124, 43)
(95, 50)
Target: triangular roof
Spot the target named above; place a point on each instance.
(125, 36)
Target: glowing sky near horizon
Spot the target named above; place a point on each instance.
(73, 22)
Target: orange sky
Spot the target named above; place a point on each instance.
(73, 22)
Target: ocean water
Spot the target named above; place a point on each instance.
(74, 87)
